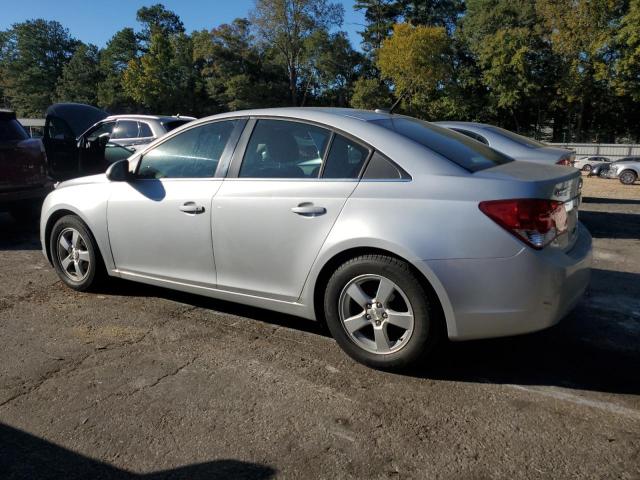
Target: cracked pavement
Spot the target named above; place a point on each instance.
(138, 381)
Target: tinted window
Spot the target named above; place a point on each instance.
(345, 159)
(459, 149)
(469, 134)
(194, 153)
(283, 149)
(58, 129)
(519, 139)
(125, 129)
(145, 130)
(12, 130)
(173, 124)
(381, 168)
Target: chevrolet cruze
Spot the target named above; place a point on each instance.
(393, 231)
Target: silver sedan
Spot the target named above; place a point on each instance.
(394, 232)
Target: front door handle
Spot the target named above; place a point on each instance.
(191, 207)
(307, 209)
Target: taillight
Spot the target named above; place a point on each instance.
(536, 222)
(567, 160)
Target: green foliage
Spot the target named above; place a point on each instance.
(157, 19)
(31, 61)
(627, 68)
(416, 61)
(371, 93)
(114, 59)
(286, 25)
(80, 77)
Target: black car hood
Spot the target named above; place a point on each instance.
(78, 116)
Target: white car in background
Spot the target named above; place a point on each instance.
(587, 163)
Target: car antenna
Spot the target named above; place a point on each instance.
(395, 104)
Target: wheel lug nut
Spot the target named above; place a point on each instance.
(377, 323)
(379, 305)
(368, 317)
(368, 306)
(384, 315)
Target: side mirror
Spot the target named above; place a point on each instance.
(119, 171)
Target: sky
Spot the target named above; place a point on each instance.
(96, 22)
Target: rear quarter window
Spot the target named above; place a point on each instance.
(456, 147)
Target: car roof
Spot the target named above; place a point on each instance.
(309, 113)
(463, 124)
(160, 118)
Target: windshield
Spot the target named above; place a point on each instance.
(519, 139)
(458, 148)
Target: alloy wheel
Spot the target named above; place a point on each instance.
(376, 314)
(73, 254)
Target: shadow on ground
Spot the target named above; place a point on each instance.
(16, 235)
(611, 225)
(25, 456)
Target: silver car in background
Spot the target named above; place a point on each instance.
(393, 231)
(516, 146)
(627, 170)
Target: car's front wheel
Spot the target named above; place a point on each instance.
(380, 313)
(75, 254)
(628, 177)
(586, 168)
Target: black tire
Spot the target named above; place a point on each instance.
(586, 168)
(427, 329)
(95, 271)
(603, 173)
(628, 177)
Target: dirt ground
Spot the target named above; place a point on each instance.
(139, 381)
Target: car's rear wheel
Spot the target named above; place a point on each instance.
(379, 312)
(75, 254)
(586, 168)
(628, 177)
(603, 173)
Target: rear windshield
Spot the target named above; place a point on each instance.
(461, 150)
(519, 139)
(11, 130)
(173, 124)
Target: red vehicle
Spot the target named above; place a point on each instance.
(24, 181)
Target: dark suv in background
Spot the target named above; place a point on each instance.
(84, 140)
(24, 181)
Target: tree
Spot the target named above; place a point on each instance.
(157, 18)
(381, 16)
(114, 58)
(371, 93)
(330, 68)
(235, 71)
(286, 24)
(31, 61)
(162, 79)
(433, 13)
(415, 60)
(80, 77)
(627, 68)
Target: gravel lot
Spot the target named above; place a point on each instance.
(143, 382)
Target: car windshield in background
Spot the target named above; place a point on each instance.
(525, 141)
(173, 124)
(11, 130)
(460, 149)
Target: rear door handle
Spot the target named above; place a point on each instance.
(307, 209)
(191, 207)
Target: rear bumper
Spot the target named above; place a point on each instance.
(530, 291)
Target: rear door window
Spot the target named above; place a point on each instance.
(459, 149)
(284, 149)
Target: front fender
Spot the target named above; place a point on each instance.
(89, 203)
